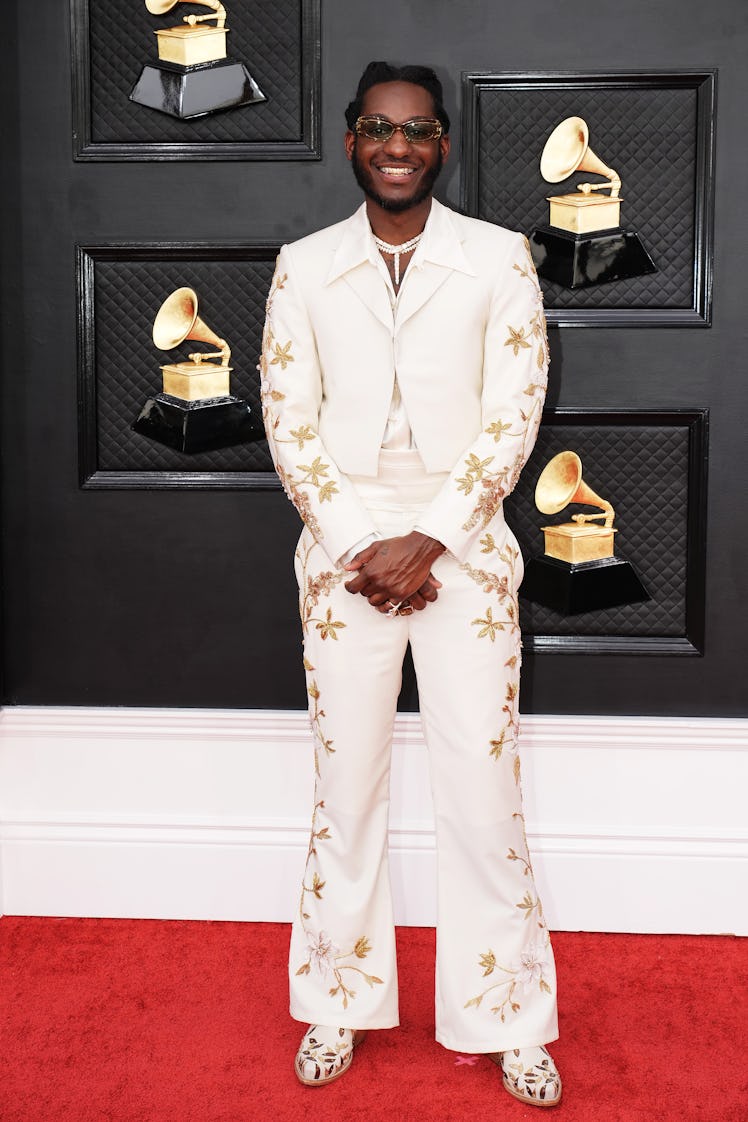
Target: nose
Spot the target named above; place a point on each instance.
(397, 145)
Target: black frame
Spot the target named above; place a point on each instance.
(704, 82)
(90, 477)
(308, 148)
(692, 643)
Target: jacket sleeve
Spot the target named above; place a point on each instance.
(291, 391)
(515, 376)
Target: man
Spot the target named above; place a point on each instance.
(403, 373)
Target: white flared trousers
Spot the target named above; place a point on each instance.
(495, 976)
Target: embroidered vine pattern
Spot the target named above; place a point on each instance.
(532, 966)
(494, 483)
(507, 619)
(276, 353)
(323, 954)
(312, 588)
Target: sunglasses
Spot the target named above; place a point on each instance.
(416, 131)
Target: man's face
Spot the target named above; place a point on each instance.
(393, 173)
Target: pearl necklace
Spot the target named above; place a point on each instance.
(396, 250)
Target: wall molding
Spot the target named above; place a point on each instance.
(635, 823)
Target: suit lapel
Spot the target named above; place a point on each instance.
(439, 255)
(351, 265)
(369, 287)
(422, 284)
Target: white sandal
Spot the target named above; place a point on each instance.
(325, 1053)
(530, 1075)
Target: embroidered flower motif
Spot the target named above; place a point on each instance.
(322, 953)
(516, 339)
(282, 355)
(532, 964)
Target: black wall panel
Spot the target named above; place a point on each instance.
(187, 598)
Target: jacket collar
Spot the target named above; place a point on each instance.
(441, 244)
(439, 253)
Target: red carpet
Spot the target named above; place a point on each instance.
(140, 1021)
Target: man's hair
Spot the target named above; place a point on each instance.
(377, 72)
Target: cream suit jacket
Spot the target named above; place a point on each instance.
(469, 346)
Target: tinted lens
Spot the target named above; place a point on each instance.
(418, 131)
(375, 128)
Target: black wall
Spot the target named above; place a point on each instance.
(187, 599)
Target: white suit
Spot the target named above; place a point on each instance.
(466, 342)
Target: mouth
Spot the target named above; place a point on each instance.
(395, 172)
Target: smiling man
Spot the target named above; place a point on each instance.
(403, 374)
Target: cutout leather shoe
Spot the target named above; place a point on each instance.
(325, 1053)
(530, 1075)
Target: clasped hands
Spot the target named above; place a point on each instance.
(395, 573)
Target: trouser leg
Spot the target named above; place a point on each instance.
(496, 984)
(342, 961)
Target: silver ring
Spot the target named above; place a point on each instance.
(394, 608)
(406, 608)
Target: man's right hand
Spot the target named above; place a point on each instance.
(394, 570)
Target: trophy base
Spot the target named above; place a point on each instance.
(193, 91)
(571, 589)
(197, 426)
(582, 260)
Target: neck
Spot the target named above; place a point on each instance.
(397, 228)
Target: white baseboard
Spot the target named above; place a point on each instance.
(635, 824)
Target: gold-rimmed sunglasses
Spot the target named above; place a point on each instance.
(416, 131)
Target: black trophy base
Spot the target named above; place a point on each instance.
(590, 585)
(193, 91)
(582, 260)
(197, 426)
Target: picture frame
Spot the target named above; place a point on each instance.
(657, 128)
(120, 288)
(651, 465)
(278, 39)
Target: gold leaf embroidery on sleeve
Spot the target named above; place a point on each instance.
(516, 339)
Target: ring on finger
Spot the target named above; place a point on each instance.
(406, 608)
(394, 609)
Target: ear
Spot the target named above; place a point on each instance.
(445, 144)
(349, 141)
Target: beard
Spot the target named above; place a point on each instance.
(396, 206)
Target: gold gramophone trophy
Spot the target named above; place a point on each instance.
(193, 75)
(583, 243)
(579, 571)
(196, 411)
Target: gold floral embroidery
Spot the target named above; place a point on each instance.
(527, 970)
(516, 339)
(532, 965)
(278, 353)
(494, 484)
(316, 713)
(501, 587)
(323, 953)
(313, 588)
(282, 355)
(328, 959)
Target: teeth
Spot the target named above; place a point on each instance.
(397, 171)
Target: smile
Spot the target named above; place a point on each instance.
(395, 172)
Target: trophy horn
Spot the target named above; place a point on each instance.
(567, 150)
(561, 483)
(160, 7)
(177, 320)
